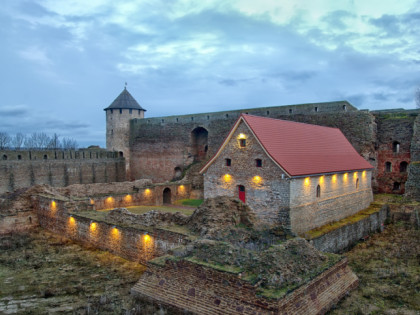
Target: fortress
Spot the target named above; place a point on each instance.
(174, 147)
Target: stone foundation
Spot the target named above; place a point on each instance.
(192, 288)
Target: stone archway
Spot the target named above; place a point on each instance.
(199, 139)
(167, 196)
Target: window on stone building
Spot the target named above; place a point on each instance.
(403, 167)
(318, 191)
(19, 157)
(258, 163)
(45, 157)
(111, 111)
(268, 112)
(344, 107)
(130, 111)
(396, 147)
(227, 115)
(242, 143)
(357, 183)
(388, 167)
(397, 186)
(290, 111)
(316, 109)
(4, 157)
(120, 111)
(228, 162)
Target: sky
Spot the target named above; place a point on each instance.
(63, 61)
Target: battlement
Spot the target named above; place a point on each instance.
(32, 155)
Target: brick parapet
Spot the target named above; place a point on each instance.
(194, 288)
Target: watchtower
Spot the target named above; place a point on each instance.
(118, 116)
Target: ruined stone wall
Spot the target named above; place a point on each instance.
(187, 287)
(343, 237)
(133, 244)
(266, 192)
(413, 182)
(159, 145)
(341, 195)
(394, 129)
(21, 169)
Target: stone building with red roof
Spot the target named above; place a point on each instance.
(298, 175)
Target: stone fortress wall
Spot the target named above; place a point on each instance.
(22, 169)
(161, 147)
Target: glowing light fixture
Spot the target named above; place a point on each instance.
(334, 178)
(147, 191)
(128, 198)
(364, 174)
(241, 136)
(53, 205)
(92, 202)
(345, 176)
(307, 181)
(257, 179)
(321, 179)
(355, 175)
(227, 178)
(146, 238)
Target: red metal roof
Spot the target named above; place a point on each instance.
(304, 149)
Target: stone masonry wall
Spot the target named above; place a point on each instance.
(396, 127)
(341, 238)
(266, 192)
(22, 169)
(341, 197)
(130, 243)
(159, 145)
(189, 287)
(413, 182)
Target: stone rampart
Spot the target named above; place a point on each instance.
(184, 286)
(22, 169)
(134, 244)
(346, 236)
(413, 182)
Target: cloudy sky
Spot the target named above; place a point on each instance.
(63, 61)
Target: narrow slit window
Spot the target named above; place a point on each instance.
(258, 163)
(388, 167)
(242, 143)
(228, 162)
(318, 191)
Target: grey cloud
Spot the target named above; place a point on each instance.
(15, 111)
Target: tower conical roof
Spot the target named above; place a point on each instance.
(125, 101)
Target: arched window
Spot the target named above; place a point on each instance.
(318, 191)
(357, 183)
(388, 167)
(344, 107)
(316, 109)
(258, 163)
(396, 147)
(45, 157)
(120, 154)
(19, 157)
(199, 143)
(403, 167)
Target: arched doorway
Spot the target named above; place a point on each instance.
(199, 138)
(167, 196)
(241, 193)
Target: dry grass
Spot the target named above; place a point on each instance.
(41, 273)
(388, 267)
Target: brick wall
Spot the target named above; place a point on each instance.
(189, 287)
(341, 238)
(21, 169)
(133, 244)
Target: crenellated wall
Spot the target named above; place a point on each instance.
(22, 169)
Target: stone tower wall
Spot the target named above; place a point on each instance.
(117, 131)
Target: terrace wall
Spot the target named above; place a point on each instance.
(134, 244)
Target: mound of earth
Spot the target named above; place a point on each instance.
(151, 218)
(216, 214)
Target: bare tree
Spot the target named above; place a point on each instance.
(69, 144)
(38, 141)
(4, 140)
(54, 142)
(18, 140)
(417, 97)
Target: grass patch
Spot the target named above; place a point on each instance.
(189, 202)
(144, 209)
(317, 232)
(219, 267)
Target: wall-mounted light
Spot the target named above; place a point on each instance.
(53, 205)
(257, 179)
(227, 178)
(334, 178)
(321, 179)
(307, 181)
(241, 136)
